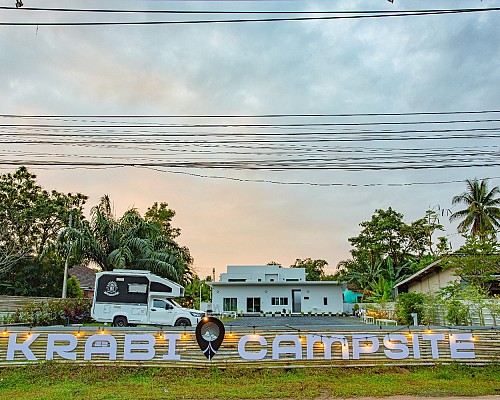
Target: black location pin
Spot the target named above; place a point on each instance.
(210, 334)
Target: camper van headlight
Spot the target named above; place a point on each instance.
(197, 314)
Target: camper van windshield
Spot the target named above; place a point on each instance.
(175, 303)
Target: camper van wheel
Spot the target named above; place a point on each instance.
(120, 321)
(182, 322)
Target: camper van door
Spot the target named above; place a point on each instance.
(162, 312)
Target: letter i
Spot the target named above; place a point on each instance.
(416, 345)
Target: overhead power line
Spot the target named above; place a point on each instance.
(275, 142)
(141, 116)
(234, 12)
(270, 19)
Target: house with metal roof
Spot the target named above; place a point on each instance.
(428, 280)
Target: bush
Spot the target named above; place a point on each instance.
(73, 288)
(408, 303)
(53, 312)
(457, 313)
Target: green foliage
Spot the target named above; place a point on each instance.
(477, 262)
(431, 309)
(127, 242)
(315, 269)
(457, 313)
(408, 303)
(52, 312)
(30, 220)
(73, 289)
(52, 380)
(35, 277)
(388, 250)
(191, 297)
(482, 213)
(32, 216)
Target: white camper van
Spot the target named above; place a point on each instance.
(128, 297)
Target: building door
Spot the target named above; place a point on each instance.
(296, 301)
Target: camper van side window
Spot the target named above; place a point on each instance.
(137, 288)
(160, 287)
(159, 303)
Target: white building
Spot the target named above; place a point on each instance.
(272, 289)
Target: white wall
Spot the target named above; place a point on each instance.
(312, 297)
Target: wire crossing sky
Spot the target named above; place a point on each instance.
(272, 128)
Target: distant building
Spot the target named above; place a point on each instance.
(86, 279)
(428, 280)
(272, 289)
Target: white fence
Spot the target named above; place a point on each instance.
(487, 315)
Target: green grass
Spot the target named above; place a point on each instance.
(59, 381)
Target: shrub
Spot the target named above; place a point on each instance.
(53, 312)
(73, 288)
(408, 303)
(457, 313)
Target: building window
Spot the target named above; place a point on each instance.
(236, 280)
(253, 304)
(279, 301)
(325, 301)
(229, 304)
(292, 280)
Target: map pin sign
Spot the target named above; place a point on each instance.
(209, 335)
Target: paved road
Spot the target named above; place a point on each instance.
(299, 322)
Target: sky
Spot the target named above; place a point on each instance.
(233, 203)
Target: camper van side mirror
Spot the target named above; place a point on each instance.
(168, 306)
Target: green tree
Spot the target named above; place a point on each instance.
(30, 220)
(408, 303)
(482, 213)
(477, 262)
(387, 250)
(193, 290)
(315, 269)
(32, 216)
(74, 289)
(126, 242)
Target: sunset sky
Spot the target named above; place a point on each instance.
(236, 213)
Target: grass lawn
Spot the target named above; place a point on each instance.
(60, 381)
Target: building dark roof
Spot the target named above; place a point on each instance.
(85, 276)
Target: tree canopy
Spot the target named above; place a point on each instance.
(387, 250)
(30, 221)
(315, 269)
(129, 241)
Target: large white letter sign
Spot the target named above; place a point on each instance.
(24, 347)
(104, 344)
(396, 342)
(327, 343)
(462, 341)
(357, 349)
(433, 338)
(296, 348)
(172, 339)
(143, 343)
(247, 355)
(64, 351)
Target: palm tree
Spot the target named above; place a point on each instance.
(482, 214)
(126, 242)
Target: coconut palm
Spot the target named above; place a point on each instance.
(482, 214)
